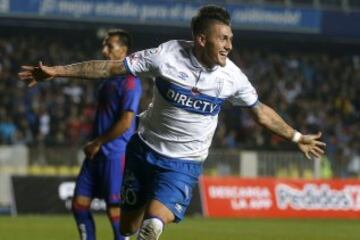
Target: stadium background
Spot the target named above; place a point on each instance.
(303, 56)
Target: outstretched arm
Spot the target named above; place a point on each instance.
(268, 118)
(94, 69)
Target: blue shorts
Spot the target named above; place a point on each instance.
(101, 177)
(149, 175)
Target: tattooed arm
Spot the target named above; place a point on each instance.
(91, 69)
(94, 69)
(268, 118)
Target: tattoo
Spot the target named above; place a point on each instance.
(267, 117)
(94, 69)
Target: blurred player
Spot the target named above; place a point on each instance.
(192, 80)
(102, 171)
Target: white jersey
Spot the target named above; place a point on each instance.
(182, 118)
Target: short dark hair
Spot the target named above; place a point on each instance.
(206, 16)
(124, 37)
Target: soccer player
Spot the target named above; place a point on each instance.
(192, 80)
(102, 171)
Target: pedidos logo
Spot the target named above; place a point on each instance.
(317, 197)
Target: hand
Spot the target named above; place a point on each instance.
(92, 148)
(311, 146)
(32, 75)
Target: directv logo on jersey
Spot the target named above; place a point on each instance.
(187, 100)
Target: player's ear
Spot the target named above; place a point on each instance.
(200, 39)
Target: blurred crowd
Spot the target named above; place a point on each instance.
(312, 91)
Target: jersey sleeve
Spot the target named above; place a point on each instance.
(146, 63)
(245, 94)
(131, 94)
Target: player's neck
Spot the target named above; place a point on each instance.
(202, 58)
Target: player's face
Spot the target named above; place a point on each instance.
(113, 49)
(218, 44)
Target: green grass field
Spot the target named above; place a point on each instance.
(62, 228)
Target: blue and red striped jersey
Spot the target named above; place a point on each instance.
(116, 95)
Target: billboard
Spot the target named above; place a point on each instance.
(277, 198)
(166, 13)
(46, 195)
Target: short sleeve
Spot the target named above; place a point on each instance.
(146, 63)
(245, 94)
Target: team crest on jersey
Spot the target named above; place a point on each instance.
(220, 85)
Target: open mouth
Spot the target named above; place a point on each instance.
(223, 54)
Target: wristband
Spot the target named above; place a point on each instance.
(296, 137)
